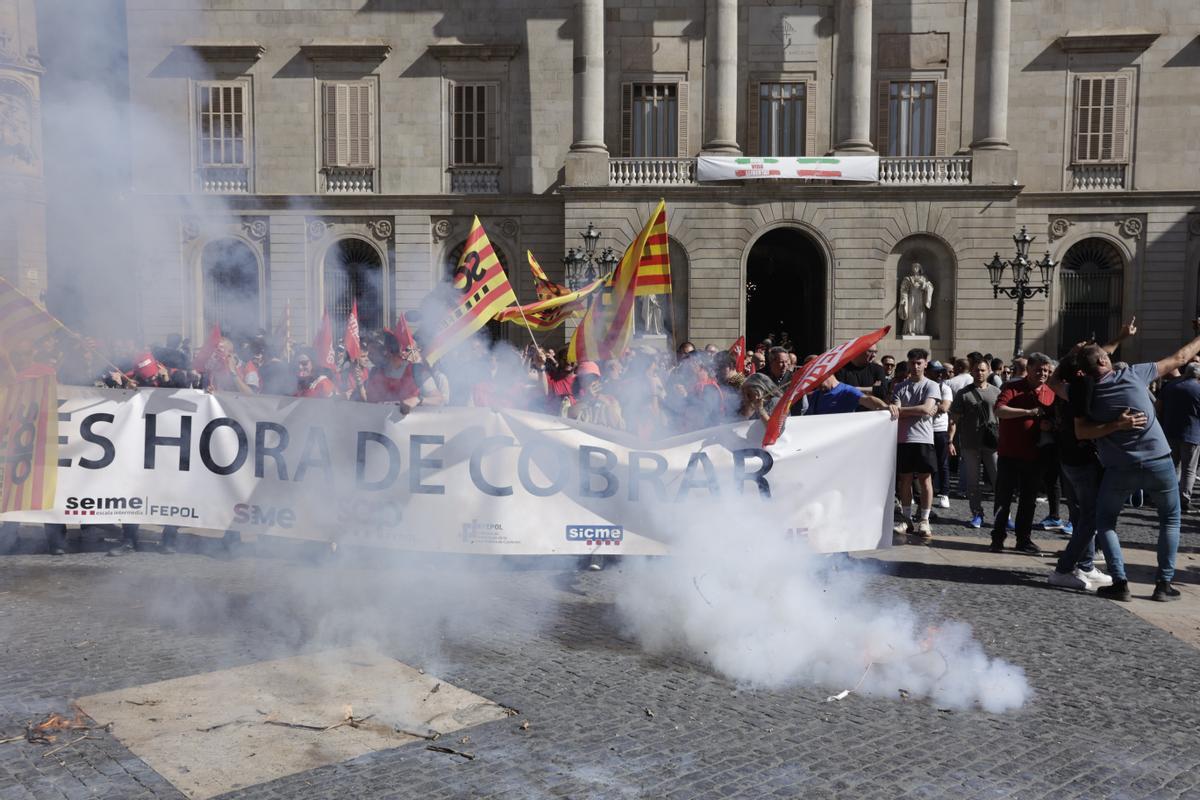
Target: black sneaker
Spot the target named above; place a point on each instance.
(997, 545)
(121, 550)
(1028, 548)
(1118, 591)
(1164, 592)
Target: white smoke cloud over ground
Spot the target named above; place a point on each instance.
(771, 615)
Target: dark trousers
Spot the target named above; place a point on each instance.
(1016, 477)
(941, 454)
(1048, 455)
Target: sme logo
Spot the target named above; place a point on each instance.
(598, 535)
(263, 516)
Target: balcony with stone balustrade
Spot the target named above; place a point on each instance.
(893, 171)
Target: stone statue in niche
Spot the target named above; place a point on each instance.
(650, 316)
(916, 298)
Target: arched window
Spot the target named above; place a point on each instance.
(354, 273)
(231, 288)
(1090, 292)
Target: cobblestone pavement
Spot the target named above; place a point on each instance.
(1115, 714)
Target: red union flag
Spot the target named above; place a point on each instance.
(738, 351)
(809, 376)
(350, 338)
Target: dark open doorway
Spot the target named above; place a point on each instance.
(785, 291)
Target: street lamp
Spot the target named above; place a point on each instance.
(1021, 290)
(583, 265)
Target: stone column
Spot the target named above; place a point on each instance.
(589, 77)
(854, 77)
(991, 75)
(721, 38)
(587, 161)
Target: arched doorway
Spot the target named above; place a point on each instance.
(354, 273)
(1090, 289)
(231, 288)
(785, 291)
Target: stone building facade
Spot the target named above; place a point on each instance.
(303, 155)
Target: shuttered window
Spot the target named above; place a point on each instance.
(474, 124)
(348, 111)
(654, 120)
(1101, 131)
(222, 124)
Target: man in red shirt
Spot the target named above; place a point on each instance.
(1024, 411)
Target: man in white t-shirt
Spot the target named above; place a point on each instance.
(916, 400)
(941, 435)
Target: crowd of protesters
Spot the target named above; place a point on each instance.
(1084, 430)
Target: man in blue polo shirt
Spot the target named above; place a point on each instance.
(835, 397)
(1134, 457)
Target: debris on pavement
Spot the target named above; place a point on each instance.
(450, 751)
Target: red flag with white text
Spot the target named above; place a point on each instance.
(323, 344)
(738, 351)
(808, 376)
(350, 338)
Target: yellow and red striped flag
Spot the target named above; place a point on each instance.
(607, 327)
(485, 291)
(548, 314)
(654, 270)
(22, 321)
(28, 443)
(544, 287)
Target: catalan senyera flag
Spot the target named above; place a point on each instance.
(485, 291)
(654, 270)
(607, 327)
(548, 314)
(28, 443)
(22, 321)
(545, 287)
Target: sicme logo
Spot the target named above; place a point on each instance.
(263, 516)
(598, 535)
(104, 506)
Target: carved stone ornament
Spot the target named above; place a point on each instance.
(1059, 227)
(16, 124)
(1131, 227)
(1194, 224)
(442, 229)
(190, 229)
(255, 228)
(382, 228)
(316, 229)
(510, 228)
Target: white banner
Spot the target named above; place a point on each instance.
(467, 480)
(828, 168)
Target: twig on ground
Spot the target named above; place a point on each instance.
(301, 726)
(696, 583)
(221, 725)
(450, 751)
(353, 722)
(13, 739)
(54, 750)
(432, 736)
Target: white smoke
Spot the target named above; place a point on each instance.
(771, 615)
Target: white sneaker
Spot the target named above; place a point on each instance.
(1068, 580)
(924, 531)
(1095, 577)
(942, 501)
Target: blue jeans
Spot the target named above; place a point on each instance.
(1085, 486)
(1157, 479)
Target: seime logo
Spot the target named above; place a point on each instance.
(596, 534)
(105, 503)
(265, 516)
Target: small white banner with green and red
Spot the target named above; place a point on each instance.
(830, 168)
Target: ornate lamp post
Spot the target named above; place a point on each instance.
(583, 265)
(1021, 290)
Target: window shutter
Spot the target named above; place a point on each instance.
(882, 120)
(491, 112)
(354, 127)
(342, 129)
(810, 118)
(1078, 153)
(1120, 119)
(941, 113)
(681, 93)
(329, 129)
(753, 105)
(627, 120)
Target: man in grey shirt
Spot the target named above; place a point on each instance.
(915, 401)
(971, 413)
(1135, 455)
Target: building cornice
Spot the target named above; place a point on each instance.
(230, 50)
(474, 52)
(1124, 198)
(769, 193)
(357, 50)
(1106, 41)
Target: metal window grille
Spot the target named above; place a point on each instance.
(349, 122)
(1090, 282)
(231, 288)
(655, 120)
(782, 129)
(474, 132)
(354, 273)
(222, 120)
(1101, 118)
(912, 118)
